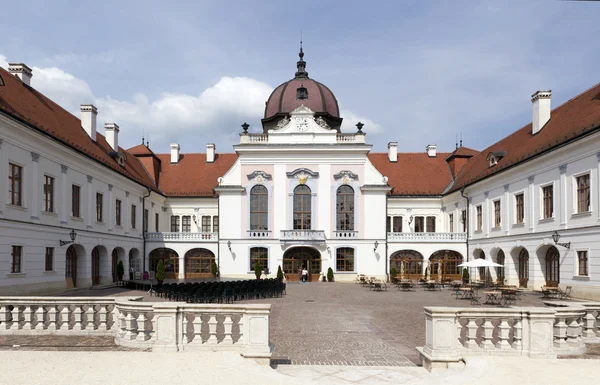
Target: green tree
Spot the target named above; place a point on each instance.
(160, 271)
(279, 274)
(257, 270)
(330, 275)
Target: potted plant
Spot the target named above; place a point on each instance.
(465, 275)
(393, 273)
(120, 271)
(330, 275)
(279, 274)
(214, 269)
(257, 270)
(160, 272)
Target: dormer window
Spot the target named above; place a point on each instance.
(301, 93)
(494, 157)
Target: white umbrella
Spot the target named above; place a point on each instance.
(402, 270)
(479, 262)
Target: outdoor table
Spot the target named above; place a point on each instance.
(406, 286)
(509, 297)
(431, 286)
(492, 297)
(464, 293)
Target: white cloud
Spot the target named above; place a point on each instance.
(351, 119)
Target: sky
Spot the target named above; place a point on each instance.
(415, 72)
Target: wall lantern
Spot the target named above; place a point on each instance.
(410, 219)
(229, 245)
(376, 245)
(72, 235)
(556, 238)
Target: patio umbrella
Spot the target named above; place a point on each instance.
(402, 270)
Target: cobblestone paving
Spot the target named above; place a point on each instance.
(346, 324)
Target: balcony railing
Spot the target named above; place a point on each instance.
(345, 234)
(303, 235)
(259, 233)
(427, 237)
(182, 237)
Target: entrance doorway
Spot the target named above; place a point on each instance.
(71, 268)
(115, 261)
(95, 266)
(297, 258)
(523, 267)
(198, 263)
(444, 265)
(552, 267)
(170, 259)
(408, 264)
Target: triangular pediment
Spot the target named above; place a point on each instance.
(302, 110)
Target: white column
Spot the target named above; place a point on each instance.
(35, 187)
(486, 217)
(457, 218)
(279, 201)
(532, 206)
(64, 195)
(126, 220)
(111, 213)
(506, 205)
(324, 199)
(90, 203)
(563, 196)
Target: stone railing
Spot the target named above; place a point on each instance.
(259, 233)
(350, 138)
(345, 234)
(303, 235)
(159, 326)
(427, 237)
(536, 332)
(591, 320)
(254, 138)
(182, 237)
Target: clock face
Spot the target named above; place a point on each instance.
(302, 124)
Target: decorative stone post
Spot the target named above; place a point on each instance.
(167, 327)
(538, 328)
(441, 342)
(256, 332)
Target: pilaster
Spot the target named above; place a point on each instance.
(111, 209)
(506, 221)
(3, 178)
(90, 202)
(35, 187)
(486, 217)
(563, 197)
(64, 194)
(597, 183)
(532, 203)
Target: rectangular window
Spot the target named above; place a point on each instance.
(133, 216)
(206, 224)
(48, 194)
(583, 193)
(397, 222)
(156, 222)
(344, 259)
(419, 224)
(479, 219)
(17, 253)
(520, 202)
(431, 224)
(451, 219)
(215, 224)
(186, 224)
(260, 255)
(497, 214)
(463, 216)
(118, 212)
(174, 223)
(583, 262)
(49, 258)
(98, 207)
(388, 224)
(15, 184)
(548, 200)
(75, 199)
(145, 224)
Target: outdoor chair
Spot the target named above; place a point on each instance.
(475, 298)
(565, 294)
(546, 294)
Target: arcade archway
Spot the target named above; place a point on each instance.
(296, 258)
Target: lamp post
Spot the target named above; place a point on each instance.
(556, 238)
(72, 235)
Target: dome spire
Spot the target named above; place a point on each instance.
(301, 65)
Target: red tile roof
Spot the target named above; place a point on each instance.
(192, 176)
(27, 105)
(414, 173)
(576, 117)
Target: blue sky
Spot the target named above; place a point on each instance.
(416, 72)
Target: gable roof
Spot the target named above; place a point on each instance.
(414, 173)
(192, 176)
(575, 118)
(32, 108)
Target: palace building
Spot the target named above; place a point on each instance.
(298, 193)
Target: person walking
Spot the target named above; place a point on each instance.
(304, 274)
(131, 273)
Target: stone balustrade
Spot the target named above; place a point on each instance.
(350, 138)
(427, 237)
(182, 237)
(259, 233)
(590, 325)
(303, 235)
(159, 326)
(345, 234)
(536, 332)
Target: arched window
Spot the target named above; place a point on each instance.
(198, 263)
(260, 255)
(302, 208)
(482, 270)
(344, 259)
(345, 208)
(552, 267)
(259, 208)
(500, 260)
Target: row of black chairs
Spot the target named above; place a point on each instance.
(220, 292)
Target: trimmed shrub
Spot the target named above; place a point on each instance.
(257, 270)
(279, 274)
(120, 270)
(330, 275)
(465, 275)
(214, 269)
(160, 271)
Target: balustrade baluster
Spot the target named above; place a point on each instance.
(120, 323)
(39, 318)
(102, 318)
(130, 327)
(15, 318)
(504, 330)
(141, 327)
(227, 325)
(64, 317)
(27, 318)
(517, 334)
(89, 318)
(573, 330)
(4, 316)
(589, 325)
(560, 332)
(77, 316)
(212, 330)
(488, 332)
(52, 318)
(184, 331)
(458, 331)
(598, 324)
(471, 334)
(197, 338)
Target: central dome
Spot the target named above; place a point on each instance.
(301, 90)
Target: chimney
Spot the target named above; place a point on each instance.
(111, 130)
(393, 151)
(541, 110)
(174, 153)
(431, 150)
(88, 119)
(210, 153)
(21, 71)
